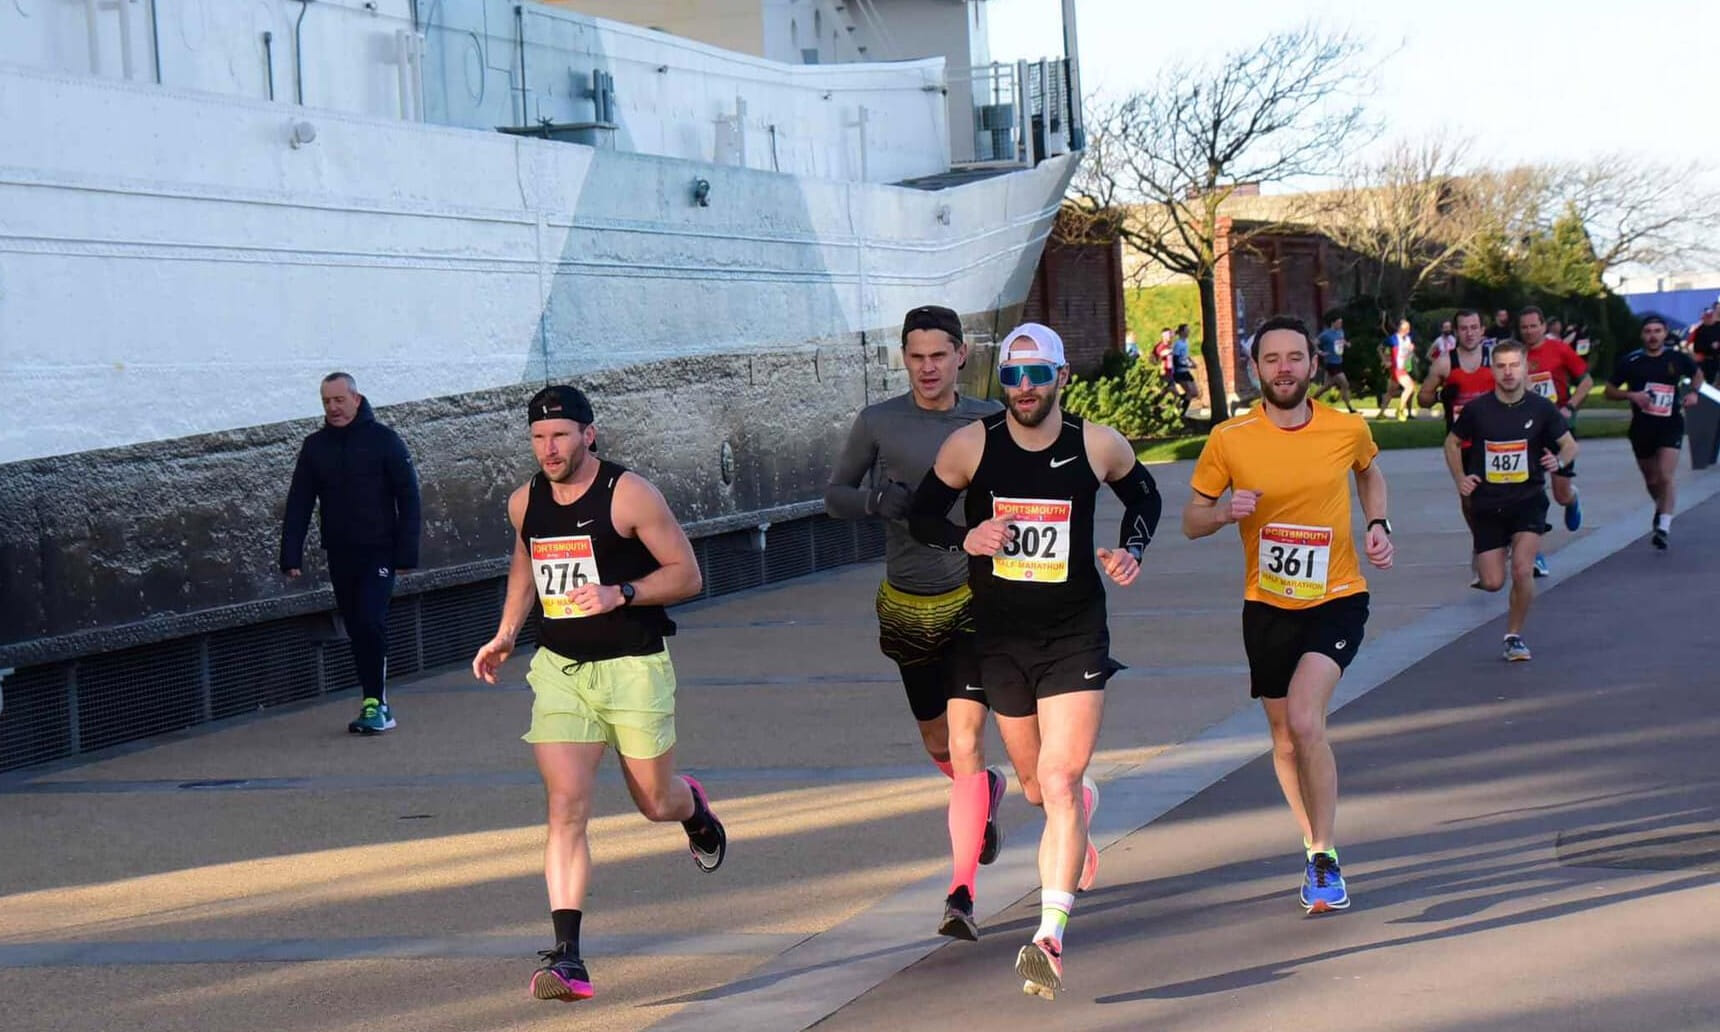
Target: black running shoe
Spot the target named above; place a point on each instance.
(711, 843)
(958, 916)
(562, 977)
(1659, 540)
(993, 834)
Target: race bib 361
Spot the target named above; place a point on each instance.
(1294, 560)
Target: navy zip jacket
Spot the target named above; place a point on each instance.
(363, 476)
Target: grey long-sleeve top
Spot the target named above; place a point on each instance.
(899, 440)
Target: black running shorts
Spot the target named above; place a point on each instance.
(931, 639)
(1493, 526)
(1276, 639)
(1019, 671)
(1648, 437)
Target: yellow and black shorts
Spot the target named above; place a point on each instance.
(930, 637)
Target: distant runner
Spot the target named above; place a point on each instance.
(1559, 374)
(1331, 369)
(597, 554)
(1031, 475)
(1459, 377)
(1514, 437)
(1287, 466)
(925, 623)
(1660, 384)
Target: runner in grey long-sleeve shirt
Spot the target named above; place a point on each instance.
(923, 619)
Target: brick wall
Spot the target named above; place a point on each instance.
(1078, 291)
(1273, 274)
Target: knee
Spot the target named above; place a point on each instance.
(1307, 730)
(568, 813)
(965, 743)
(1523, 567)
(1058, 786)
(1030, 788)
(1284, 744)
(1494, 581)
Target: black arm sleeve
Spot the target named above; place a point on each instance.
(929, 519)
(1142, 506)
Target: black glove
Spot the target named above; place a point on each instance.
(893, 500)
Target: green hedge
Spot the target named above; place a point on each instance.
(1137, 401)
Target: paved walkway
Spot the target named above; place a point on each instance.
(277, 867)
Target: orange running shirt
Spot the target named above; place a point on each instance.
(1298, 546)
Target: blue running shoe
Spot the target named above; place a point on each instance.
(373, 719)
(1323, 886)
(1574, 515)
(1541, 566)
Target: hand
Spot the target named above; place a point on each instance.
(491, 657)
(1380, 548)
(987, 538)
(595, 599)
(1120, 565)
(1466, 485)
(294, 572)
(1550, 461)
(1241, 505)
(893, 500)
(1568, 412)
(1640, 399)
(1690, 400)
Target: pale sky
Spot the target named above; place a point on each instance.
(1524, 78)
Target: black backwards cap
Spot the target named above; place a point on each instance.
(932, 317)
(1651, 318)
(560, 402)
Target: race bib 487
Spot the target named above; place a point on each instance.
(1037, 548)
(560, 566)
(1507, 462)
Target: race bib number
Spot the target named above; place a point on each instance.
(1037, 548)
(560, 566)
(1542, 384)
(1507, 462)
(1660, 398)
(1294, 560)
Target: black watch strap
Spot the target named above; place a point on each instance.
(1381, 522)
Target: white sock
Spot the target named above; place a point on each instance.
(1664, 522)
(1054, 910)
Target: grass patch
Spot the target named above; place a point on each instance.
(1390, 435)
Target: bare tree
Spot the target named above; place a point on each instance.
(1170, 156)
(1636, 210)
(1410, 217)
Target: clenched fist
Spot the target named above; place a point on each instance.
(1242, 505)
(988, 538)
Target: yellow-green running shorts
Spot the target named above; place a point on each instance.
(627, 702)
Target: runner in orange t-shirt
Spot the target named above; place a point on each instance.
(1287, 466)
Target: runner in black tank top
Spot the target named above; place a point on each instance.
(577, 544)
(597, 554)
(1039, 607)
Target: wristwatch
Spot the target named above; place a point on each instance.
(1382, 522)
(627, 594)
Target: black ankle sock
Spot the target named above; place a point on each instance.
(696, 823)
(567, 929)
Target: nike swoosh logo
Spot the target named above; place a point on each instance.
(1089, 677)
(584, 523)
(1063, 462)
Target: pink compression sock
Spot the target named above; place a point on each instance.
(970, 801)
(944, 765)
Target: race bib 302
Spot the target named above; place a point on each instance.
(1037, 548)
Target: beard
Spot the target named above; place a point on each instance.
(1037, 414)
(1280, 398)
(568, 469)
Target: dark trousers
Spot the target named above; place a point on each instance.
(363, 583)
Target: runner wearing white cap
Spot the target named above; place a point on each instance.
(1031, 474)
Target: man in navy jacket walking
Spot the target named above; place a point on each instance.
(362, 474)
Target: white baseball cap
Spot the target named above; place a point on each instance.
(1031, 342)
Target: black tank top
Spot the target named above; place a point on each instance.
(572, 544)
(1045, 581)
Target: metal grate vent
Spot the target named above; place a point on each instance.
(255, 667)
(139, 692)
(36, 723)
(788, 551)
(62, 709)
(454, 623)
